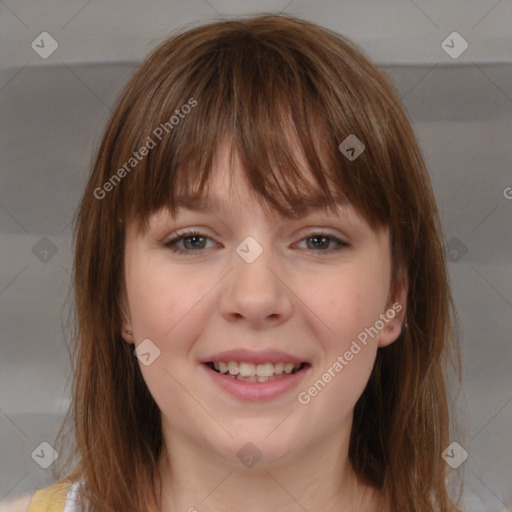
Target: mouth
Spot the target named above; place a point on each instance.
(250, 375)
(257, 373)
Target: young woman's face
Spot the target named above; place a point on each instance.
(268, 290)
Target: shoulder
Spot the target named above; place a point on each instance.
(50, 499)
(19, 504)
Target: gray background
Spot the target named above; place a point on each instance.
(53, 114)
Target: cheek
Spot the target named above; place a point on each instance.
(162, 301)
(170, 309)
(348, 304)
(351, 301)
(152, 304)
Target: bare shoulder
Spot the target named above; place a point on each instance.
(19, 504)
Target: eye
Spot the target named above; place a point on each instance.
(194, 240)
(322, 240)
(195, 237)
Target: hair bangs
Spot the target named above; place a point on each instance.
(264, 101)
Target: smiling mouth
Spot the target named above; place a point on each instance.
(250, 372)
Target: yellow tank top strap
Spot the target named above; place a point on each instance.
(51, 499)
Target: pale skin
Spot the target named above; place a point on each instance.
(307, 301)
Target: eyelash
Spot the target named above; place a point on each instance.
(171, 244)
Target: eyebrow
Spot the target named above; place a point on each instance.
(309, 204)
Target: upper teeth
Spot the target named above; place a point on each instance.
(250, 369)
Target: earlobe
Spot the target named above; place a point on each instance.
(391, 332)
(126, 332)
(127, 335)
(396, 315)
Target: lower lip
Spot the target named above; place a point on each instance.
(256, 390)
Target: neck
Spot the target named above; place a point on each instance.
(195, 480)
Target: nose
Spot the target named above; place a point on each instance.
(256, 292)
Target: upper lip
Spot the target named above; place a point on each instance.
(251, 356)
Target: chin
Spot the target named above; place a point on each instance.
(257, 449)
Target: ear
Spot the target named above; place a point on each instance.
(126, 330)
(395, 315)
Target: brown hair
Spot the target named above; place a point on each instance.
(275, 85)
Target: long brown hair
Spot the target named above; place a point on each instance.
(275, 85)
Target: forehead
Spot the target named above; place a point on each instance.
(232, 208)
(228, 187)
(224, 203)
(230, 199)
